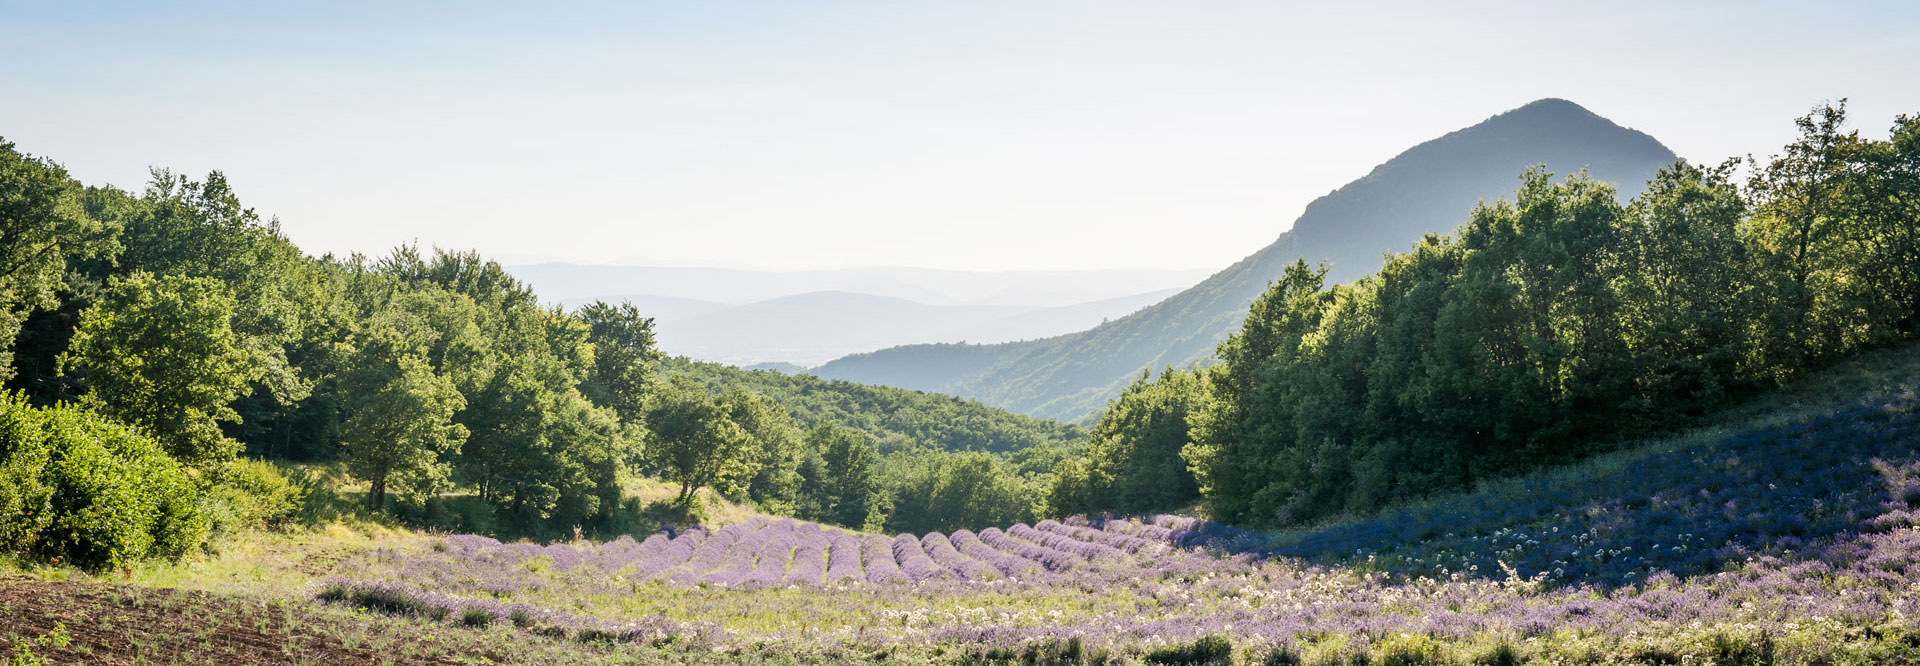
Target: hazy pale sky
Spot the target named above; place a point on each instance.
(969, 134)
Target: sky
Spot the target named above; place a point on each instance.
(973, 134)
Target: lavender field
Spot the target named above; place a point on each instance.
(1798, 543)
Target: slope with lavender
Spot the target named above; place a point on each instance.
(1799, 541)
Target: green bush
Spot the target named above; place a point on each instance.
(253, 493)
(77, 488)
(1410, 650)
(1210, 650)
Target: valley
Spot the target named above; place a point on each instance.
(960, 334)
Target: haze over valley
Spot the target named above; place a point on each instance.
(807, 318)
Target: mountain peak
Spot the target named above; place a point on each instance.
(1552, 105)
(1435, 183)
(1550, 113)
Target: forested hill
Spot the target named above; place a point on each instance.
(1427, 189)
(895, 419)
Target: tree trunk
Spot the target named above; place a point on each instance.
(377, 494)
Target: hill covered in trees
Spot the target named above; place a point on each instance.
(1426, 189)
(1552, 326)
(894, 419)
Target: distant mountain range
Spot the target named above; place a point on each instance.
(812, 328)
(797, 319)
(672, 288)
(1430, 188)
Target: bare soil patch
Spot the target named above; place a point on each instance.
(118, 624)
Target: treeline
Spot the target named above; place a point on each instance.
(160, 344)
(1546, 329)
(894, 419)
(179, 313)
(916, 462)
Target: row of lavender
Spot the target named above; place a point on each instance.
(769, 553)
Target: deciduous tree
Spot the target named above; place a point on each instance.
(161, 353)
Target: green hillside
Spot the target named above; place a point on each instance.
(1426, 189)
(895, 419)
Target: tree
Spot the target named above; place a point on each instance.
(161, 353)
(200, 229)
(624, 357)
(1688, 291)
(510, 454)
(1895, 266)
(1808, 229)
(776, 448)
(596, 451)
(1529, 336)
(43, 227)
(1131, 462)
(1236, 444)
(846, 490)
(399, 418)
(943, 491)
(692, 439)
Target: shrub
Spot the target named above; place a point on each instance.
(1502, 654)
(25, 498)
(1410, 650)
(1741, 651)
(1205, 651)
(253, 493)
(77, 487)
(476, 617)
(1281, 656)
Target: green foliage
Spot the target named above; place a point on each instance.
(80, 489)
(161, 353)
(934, 490)
(1210, 650)
(694, 442)
(1732, 650)
(776, 449)
(253, 493)
(893, 419)
(843, 486)
(399, 419)
(624, 357)
(538, 448)
(1132, 463)
(199, 229)
(1410, 650)
(43, 228)
(1682, 311)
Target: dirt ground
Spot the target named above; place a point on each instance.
(116, 624)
